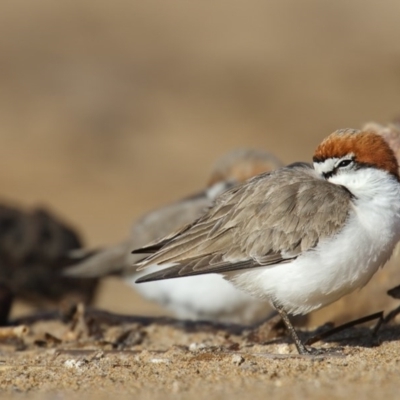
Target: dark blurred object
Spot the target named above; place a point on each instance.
(33, 249)
(395, 292)
(6, 298)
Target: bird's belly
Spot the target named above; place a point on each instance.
(321, 276)
(207, 297)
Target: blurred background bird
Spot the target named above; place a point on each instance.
(34, 247)
(220, 300)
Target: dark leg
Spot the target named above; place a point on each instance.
(385, 320)
(299, 344)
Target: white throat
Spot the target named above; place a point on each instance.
(370, 183)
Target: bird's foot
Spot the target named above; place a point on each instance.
(318, 352)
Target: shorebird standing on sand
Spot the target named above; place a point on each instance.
(206, 297)
(299, 237)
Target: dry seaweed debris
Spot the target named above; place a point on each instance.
(86, 329)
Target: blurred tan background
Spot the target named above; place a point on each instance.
(109, 109)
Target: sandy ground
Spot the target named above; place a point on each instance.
(108, 111)
(101, 355)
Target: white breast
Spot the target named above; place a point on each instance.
(340, 264)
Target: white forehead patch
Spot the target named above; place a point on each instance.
(326, 166)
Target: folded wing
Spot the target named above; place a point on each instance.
(271, 219)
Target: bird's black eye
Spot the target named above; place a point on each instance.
(344, 163)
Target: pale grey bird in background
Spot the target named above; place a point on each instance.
(298, 237)
(220, 300)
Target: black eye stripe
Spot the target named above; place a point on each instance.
(344, 163)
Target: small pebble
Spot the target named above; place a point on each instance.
(237, 359)
(77, 364)
(160, 361)
(283, 349)
(193, 347)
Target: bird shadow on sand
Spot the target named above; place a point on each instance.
(97, 316)
(351, 334)
(91, 323)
